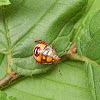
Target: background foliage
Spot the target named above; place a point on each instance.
(63, 21)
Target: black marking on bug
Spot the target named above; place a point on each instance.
(36, 51)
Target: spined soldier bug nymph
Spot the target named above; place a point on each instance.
(45, 54)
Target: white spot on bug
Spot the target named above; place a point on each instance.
(38, 51)
(49, 52)
(45, 53)
(35, 50)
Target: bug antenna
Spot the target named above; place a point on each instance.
(62, 52)
(33, 39)
(59, 70)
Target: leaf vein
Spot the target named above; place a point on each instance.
(81, 88)
(19, 6)
(23, 92)
(27, 33)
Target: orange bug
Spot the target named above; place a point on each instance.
(45, 54)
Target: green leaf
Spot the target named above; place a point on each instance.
(3, 65)
(3, 96)
(89, 38)
(42, 25)
(62, 21)
(79, 81)
(4, 2)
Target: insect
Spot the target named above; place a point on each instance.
(45, 54)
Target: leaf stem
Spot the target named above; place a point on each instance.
(9, 70)
(8, 78)
(82, 58)
(75, 56)
(13, 82)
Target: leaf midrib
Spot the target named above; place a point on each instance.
(8, 39)
(83, 19)
(27, 33)
(30, 94)
(94, 88)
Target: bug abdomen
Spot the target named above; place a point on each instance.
(44, 54)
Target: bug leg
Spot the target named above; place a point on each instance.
(52, 44)
(62, 52)
(59, 70)
(54, 48)
(37, 40)
(36, 62)
(33, 39)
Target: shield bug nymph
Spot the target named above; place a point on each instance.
(45, 54)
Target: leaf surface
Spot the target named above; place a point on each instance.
(3, 96)
(62, 21)
(42, 25)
